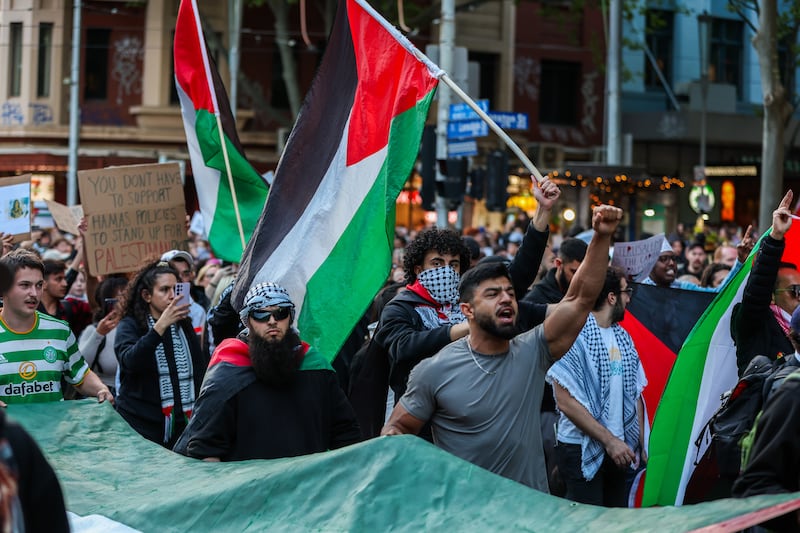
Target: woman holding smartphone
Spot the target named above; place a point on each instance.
(96, 342)
(161, 365)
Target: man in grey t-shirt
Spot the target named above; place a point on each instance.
(482, 393)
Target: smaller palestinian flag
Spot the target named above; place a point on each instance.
(705, 369)
(203, 99)
(327, 231)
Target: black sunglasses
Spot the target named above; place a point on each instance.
(795, 289)
(262, 315)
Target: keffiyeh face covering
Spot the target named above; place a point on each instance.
(441, 283)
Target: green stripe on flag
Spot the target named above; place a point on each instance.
(364, 249)
(251, 190)
(671, 437)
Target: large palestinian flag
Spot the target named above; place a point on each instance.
(204, 106)
(658, 320)
(327, 231)
(705, 369)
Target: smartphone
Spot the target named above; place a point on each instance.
(108, 305)
(182, 293)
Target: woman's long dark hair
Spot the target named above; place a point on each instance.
(133, 304)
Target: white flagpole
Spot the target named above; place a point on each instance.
(495, 128)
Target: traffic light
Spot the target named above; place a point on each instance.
(477, 183)
(428, 170)
(455, 182)
(496, 180)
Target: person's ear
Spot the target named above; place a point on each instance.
(417, 269)
(557, 262)
(466, 309)
(146, 296)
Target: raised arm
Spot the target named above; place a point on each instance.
(566, 319)
(526, 263)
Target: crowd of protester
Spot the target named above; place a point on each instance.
(458, 312)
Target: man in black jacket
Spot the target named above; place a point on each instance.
(555, 284)
(760, 323)
(419, 322)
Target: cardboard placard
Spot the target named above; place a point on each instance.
(66, 218)
(15, 207)
(134, 214)
(637, 258)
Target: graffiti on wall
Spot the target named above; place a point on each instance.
(526, 72)
(41, 114)
(671, 125)
(128, 52)
(11, 114)
(590, 102)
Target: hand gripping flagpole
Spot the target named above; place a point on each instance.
(230, 179)
(495, 128)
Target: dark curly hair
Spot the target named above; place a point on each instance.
(708, 273)
(444, 241)
(133, 304)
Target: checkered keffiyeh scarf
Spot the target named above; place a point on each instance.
(183, 365)
(585, 372)
(440, 287)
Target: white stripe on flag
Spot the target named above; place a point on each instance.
(339, 195)
(206, 179)
(720, 375)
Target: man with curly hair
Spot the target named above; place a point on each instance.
(422, 320)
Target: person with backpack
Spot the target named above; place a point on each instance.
(760, 323)
(771, 453)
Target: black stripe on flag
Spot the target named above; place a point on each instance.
(309, 152)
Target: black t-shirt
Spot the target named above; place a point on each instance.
(261, 422)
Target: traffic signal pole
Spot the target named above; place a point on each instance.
(447, 42)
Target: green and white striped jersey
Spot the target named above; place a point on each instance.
(32, 362)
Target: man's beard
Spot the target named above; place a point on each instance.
(275, 362)
(487, 324)
(563, 284)
(618, 311)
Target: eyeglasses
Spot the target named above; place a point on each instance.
(667, 259)
(794, 289)
(628, 291)
(262, 315)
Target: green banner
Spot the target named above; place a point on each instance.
(399, 483)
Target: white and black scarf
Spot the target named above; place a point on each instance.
(183, 365)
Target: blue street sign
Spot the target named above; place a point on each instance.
(463, 148)
(510, 121)
(467, 129)
(465, 112)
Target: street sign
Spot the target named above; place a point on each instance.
(509, 120)
(464, 112)
(467, 129)
(463, 148)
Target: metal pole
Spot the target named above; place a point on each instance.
(447, 39)
(235, 31)
(74, 106)
(613, 84)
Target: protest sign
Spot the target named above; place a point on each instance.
(66, 218)
(133, 213)
(637, 258)
(15, 207)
